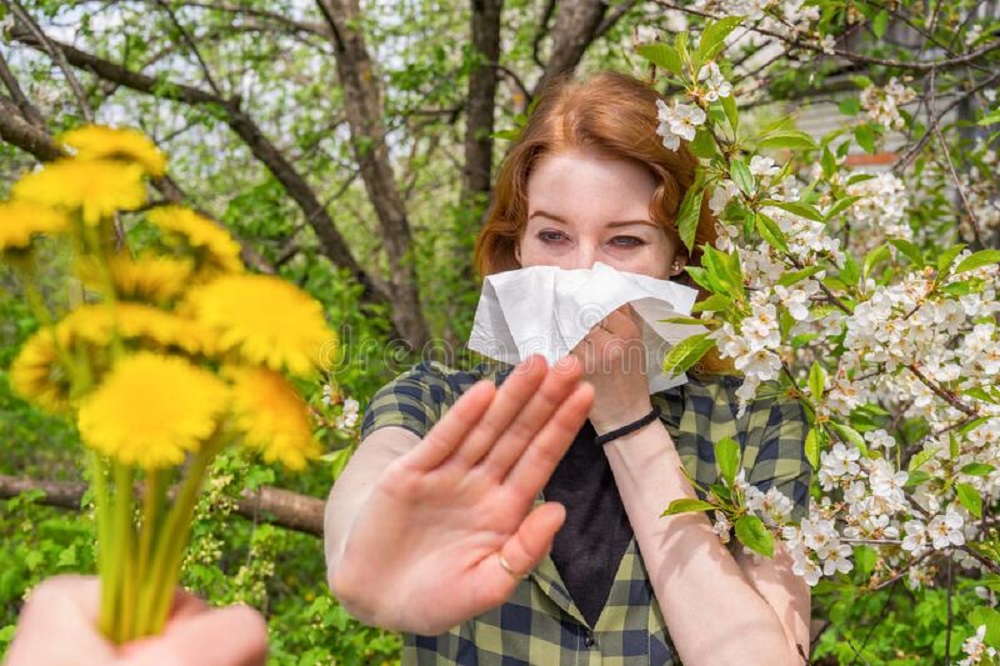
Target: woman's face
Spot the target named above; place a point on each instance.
(584, 207)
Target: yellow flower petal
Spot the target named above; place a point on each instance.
(38, 376)
(272, 417)
(20, 221)
(266, 320)
(99, 142)
(212, 244)
(151, 409)
(138, 323)
(149, 278)
(96, 188)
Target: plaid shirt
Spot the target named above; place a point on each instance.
(540, 624)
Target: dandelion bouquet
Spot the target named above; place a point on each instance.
(172, 353)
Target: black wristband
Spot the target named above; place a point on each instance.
(631, 427)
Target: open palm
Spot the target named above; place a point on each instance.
(432, 532)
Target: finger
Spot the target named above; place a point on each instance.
(505, 411)
(557, 386)
(65, 607)
(449, 432)
(533, 538)
(534, 468)
(231, 636)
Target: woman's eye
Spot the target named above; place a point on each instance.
(628, 241)
(550, 236)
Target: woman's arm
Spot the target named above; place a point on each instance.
(352, 490)
(720, 609)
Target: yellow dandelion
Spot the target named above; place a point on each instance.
(148, 278)
(99, 142)
(266, 320)
(97, 188)
(272, 417)
(216, 248)
(151, 409)
(144, 325)
(37, 374)
(20, 221)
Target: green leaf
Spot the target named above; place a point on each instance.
(788, 279)
(848, 435)
(880, 23)
(840, 206)
(687, 505)
(727, 457)
(864, 559)
(752, 534)
(771, 232)
(742, 177)
(920, 459)
(703, 145)
(803, 339)
(989, 617)
(686, 353)
(732, 113)
(788, 139)
(862, 81)
(948, 257)
(714, 303)
(914, 479)
(817, 381)
(977, 469)
(978, 260)
(690, 211)
(873, 258)
(686, 321)
(812, 447)
(713, 38)
(865, 136)
(850, 106)
(663, 56)
(969, 497)
(798, 208)
(911, 251)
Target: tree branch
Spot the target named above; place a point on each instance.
(334, 245)
(283, 508)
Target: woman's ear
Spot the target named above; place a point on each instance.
(517, 253)
(677, 267)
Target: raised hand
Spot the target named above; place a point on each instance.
(429, 548)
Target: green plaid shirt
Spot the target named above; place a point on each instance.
(540, 624)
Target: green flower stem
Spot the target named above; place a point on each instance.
(106, 551)
(172, 542)
(153, 504)
(124, 501)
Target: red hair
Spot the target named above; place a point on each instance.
(614, 115)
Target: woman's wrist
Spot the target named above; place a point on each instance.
(613, 419)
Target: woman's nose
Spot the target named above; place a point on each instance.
(585, 256)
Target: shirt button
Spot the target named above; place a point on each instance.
(588, 639)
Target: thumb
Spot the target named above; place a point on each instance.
(534, 537)
(230, 636)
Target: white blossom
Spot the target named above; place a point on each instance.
(677, 122)
(716, 85)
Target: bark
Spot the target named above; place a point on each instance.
(363, 105)
(283, 508)
(577, 26)
(481, 100)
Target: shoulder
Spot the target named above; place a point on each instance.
(418, 397)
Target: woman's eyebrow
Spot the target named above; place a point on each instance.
(617, 223)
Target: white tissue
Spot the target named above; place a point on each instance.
(547, 310)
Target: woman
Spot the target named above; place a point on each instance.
(442, 524)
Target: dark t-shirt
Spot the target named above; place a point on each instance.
(590, 545)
